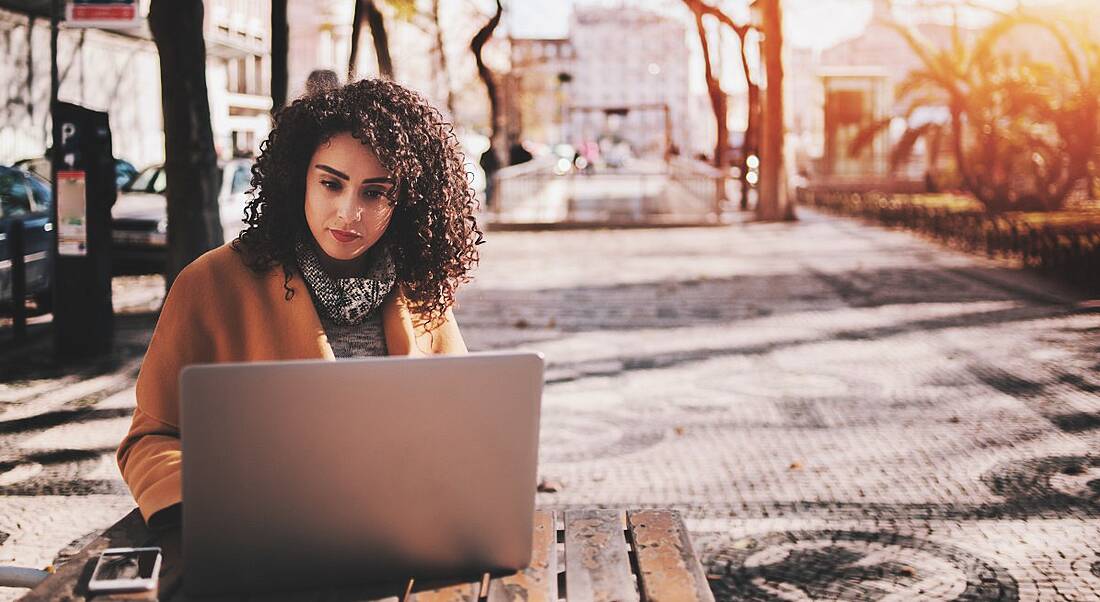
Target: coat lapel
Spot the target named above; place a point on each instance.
(299, 319)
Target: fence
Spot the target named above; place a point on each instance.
(1069, 248)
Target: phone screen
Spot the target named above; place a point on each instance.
(126, 565)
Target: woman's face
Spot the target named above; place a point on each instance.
(347, 202)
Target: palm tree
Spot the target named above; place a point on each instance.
(934, 133)
(1022, 132)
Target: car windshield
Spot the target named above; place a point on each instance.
(13, 194)
(40, 189)
(39, 166)
(160, 183)
(151, 179)
(242, 178)
(124, 173)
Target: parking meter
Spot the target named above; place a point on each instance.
(84, 191)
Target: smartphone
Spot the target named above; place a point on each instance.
(126, 570)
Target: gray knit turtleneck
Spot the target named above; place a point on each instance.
(350, 309)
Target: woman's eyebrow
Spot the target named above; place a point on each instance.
(335, 172)
(380, 180)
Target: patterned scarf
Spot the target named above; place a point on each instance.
(347, 301)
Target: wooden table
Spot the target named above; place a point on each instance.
(598, 555)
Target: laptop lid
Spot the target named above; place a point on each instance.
(308, 474)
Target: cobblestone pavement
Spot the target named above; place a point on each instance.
(840, 411)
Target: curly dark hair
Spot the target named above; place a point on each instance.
(433, 235)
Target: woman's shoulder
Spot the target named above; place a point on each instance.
(225, 264)
(223, 272)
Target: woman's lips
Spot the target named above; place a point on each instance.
(343, 235)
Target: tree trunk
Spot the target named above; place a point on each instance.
(190, 164)
(496, 143)
(280, 48)
(717, 97)
(368, 10)
(356, 29)
(750, 144)
(443, 70)
(774, 203)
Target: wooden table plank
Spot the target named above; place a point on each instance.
(669, 570)
(70, 582)
(596, 561)
(293, 596)
(369, 593)
(437, 591)
(597, 566)
(538, 582)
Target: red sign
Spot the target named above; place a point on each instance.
(108, 14)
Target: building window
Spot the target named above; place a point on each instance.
(242, 75)
(260, 71)
(230, 75)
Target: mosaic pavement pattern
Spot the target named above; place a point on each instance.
(840, 411)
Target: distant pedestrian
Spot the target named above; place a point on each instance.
(517, 153)
(489, 164)
(321, 80)
(360, 231)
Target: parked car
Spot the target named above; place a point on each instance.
(140, 215)
(24, 196)
(40, 166)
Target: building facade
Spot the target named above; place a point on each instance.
(538, 88)
(238, 73)
(630, 79)
(119, 72)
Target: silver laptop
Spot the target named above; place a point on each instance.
(314, 474)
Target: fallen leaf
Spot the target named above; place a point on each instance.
(521, 323)
(679, 430)
(795, 466)
(549, 486)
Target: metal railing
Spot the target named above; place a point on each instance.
(639, 193)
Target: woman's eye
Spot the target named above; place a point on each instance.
(374, 193)
(330, 184)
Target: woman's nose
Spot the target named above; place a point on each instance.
(348, 209)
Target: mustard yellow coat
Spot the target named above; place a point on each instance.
(219, 310)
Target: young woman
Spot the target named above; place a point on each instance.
(360, 230)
